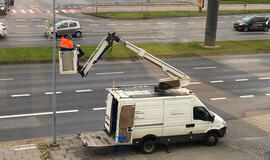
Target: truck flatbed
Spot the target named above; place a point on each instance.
(96, 139)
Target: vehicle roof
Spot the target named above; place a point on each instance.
(68, 21)
(142, 92)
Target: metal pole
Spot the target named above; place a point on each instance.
(211, 23)
(54, 80)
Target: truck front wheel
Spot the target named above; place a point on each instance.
(211, 139)
(148, 146)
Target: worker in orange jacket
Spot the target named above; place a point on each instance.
(66, 44)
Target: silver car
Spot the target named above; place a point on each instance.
(64, 27)
(3, 30)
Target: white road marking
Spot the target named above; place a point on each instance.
(195, 83)
(264, 78)
(217, 81)
(37, 114)
(24, 147)
(20, 95)
(247, 96)
(128, 24)
(205, 67)
(216, 99)
(109, 73)
(49, 93)
(267, 94)
(99, 109)
(241, 80)
(84, 90)
(6, 79)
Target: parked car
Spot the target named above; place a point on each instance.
(3, 30)
(4, 7)
(252, 22)
(63, 28)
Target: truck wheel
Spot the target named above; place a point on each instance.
(265, 28)
(148, 146)
(245, 29)
(211, 139)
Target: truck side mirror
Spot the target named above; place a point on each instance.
(212, 118)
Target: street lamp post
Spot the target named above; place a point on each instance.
(54, 81)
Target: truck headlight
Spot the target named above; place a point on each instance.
(241, 24)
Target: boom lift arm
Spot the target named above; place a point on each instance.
(176, 78)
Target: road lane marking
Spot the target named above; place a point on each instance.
(109, 73)
(49, 93)
(247, 96)
(205, 67)
(128, 24)
(216, 99)
(24, 147)
(20, 95)
(241, 80)
(99, 109)
(217, 81)
(6, 79)
(267, 94)
(195, 83)
(84, 90)
(264, 78)
(37, 114)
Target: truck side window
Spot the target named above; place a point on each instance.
(200, 113)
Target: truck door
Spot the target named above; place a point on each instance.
(126, 124)
(201, 120)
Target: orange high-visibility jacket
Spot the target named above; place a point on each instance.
(66, 43)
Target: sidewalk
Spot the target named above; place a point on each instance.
(166, 7)
(70, 147)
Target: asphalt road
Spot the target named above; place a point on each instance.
(227, 84)
(27, 29)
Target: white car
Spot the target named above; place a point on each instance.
(3, 30)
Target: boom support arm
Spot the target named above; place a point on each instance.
(176, 78)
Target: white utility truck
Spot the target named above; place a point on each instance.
(146, 114)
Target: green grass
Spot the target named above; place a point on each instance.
(43, 54)
(244, 1)
(167, 14)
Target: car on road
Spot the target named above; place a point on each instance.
(4, 7)
(252, 22)
(65, 27)
(3, 30)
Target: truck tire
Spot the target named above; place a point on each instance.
(245, 29)
(266, 28)
(148, 146)
(211, 139)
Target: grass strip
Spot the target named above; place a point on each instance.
(43, 54)
(168, 14)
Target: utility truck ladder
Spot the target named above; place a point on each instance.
(176, 78)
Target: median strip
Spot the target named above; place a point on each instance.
(37, 114)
